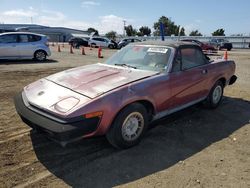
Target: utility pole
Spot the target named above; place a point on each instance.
(124, 25)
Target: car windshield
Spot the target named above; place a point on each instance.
(222, 40)
(153, 58)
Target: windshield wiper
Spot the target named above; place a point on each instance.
(126, 65)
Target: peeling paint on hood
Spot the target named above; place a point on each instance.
(95, 80)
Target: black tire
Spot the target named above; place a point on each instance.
(93, 45)
(133, 118)
(40, 55)
(216, 93)
(111, 46)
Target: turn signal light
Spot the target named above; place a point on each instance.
(93, 114)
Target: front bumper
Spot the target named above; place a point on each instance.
(60, 130)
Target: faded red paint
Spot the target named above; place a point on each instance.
(110, 88)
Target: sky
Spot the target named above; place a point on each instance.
(107, 15)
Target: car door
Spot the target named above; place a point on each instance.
(25, 46)
(9, 46)
(96, 41)
(104, 42)
(189, 76)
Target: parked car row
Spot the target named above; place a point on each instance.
(25, 45)
(213, 45)
(221, 44)
(96, 41)
(206, 48)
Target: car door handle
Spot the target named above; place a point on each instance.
(204, 71)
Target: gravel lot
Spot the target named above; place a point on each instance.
(192, 148)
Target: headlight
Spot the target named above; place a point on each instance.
(66, 104)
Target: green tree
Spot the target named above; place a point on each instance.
(219, 32)
(195, 33)
(170, 28)
(144, 30)
(182, 32)
(90, 30)
(130, 31)
(111, 35)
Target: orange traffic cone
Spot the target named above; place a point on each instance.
(71, 49)
(83, 51)
(100, 52)
(225, 57)
(58, 48)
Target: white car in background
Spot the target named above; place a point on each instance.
(103, 42)
(24, 45)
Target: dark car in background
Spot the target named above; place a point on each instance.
(126, 41)
(206, 48)
(220, 43)
(76, 42)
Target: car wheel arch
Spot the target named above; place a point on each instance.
(220, 78)
(40, 50)
(223, 80)
(146, 103)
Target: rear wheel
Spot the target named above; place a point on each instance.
(214, 98)
(93, 45)
(40, 55)
(128, 127)
(111, 46)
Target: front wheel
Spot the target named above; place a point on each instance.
(40, 55)
(128, 127)
(111, 46)
(214, 98)
(93, 45)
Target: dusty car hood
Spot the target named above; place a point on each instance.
(95, 80)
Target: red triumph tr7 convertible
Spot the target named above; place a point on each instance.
(119, 98)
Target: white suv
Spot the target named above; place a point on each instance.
(103, 42)
(24, 45)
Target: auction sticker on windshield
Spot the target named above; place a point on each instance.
(158, 50)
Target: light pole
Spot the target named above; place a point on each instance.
(124, 24)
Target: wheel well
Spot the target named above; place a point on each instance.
(148, 106)
(223, 80)
(40, 50)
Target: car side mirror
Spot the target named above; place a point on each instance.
(208, 58)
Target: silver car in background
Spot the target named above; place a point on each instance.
(24, 45)
(103, 42)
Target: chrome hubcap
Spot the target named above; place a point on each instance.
(40, 56)
(132, 126)
(217, 94)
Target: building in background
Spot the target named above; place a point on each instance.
(55, 34)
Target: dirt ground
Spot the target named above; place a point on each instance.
(192, 148)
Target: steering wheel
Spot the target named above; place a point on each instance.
(159, 65)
